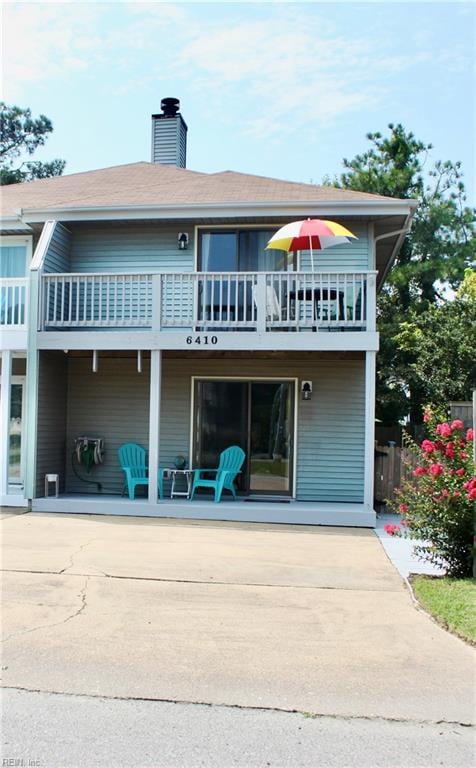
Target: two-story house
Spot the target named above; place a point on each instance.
(138, 305)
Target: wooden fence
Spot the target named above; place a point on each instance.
(392, 466)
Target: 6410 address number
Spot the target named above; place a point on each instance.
(202, 340)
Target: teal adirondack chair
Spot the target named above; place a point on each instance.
(133, 461)
(231, 461)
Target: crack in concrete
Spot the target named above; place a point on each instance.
(82, 596)
(249, 707)
(210, 582)
(73, 555)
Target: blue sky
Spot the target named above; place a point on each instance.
(277, 89)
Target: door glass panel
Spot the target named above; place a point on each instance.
(221, 421)
(257, 416)
(14, 438)
(271, 437)
(253, 256)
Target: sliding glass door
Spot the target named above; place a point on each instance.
(256, 415)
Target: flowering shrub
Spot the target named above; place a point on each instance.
(437, 505)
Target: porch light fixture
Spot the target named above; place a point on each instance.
(182, 241)
(306, 390)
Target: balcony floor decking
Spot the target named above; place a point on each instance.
(269, 511)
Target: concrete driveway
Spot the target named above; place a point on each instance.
(282, 617)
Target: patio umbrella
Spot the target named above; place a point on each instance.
(312, 234)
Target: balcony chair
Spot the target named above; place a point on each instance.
(231, 461)
(273, 307)
(133, 461)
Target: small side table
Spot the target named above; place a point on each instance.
(51, 478)
(187, 474)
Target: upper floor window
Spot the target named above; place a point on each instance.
(13, 260)
(241, 250)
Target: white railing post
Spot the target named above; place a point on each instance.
(156, 302)
(371, 308)
(261, 302)
(41, 301)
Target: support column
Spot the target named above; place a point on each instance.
(370, 360)
(154, 421)
(32, 373)
(5, 419)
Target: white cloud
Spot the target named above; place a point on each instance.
(298, 67)
(43, 41)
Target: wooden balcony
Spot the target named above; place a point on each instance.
(198, 301)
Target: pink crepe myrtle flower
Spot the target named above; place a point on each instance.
(470, 484)
(443, 429)
(428, 446)
(457, 424)
(391, 529)
(427, 415)
(403, 509)
(420, 471)
(436, 469)
(450, 451)
(469, 435)
(472, 494)
(460, 472)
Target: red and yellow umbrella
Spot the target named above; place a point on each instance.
(310, 234)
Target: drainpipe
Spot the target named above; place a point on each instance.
(402, 232)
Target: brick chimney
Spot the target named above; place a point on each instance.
(169, 135)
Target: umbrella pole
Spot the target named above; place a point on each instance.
(312, 255)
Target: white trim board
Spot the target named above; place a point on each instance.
(294, 512)
(305, 341)
(231, 210)
(13, 500)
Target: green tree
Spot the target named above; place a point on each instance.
(20, 136)
(433, 257)
(440, 345)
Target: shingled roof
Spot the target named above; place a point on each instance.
(152, 184)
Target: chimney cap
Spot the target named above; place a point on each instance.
(170, 106)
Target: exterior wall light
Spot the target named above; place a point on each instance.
(182, 241)
(306, 390)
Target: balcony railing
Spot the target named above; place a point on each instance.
(221, 301)
(13, 302)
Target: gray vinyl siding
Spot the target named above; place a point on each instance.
(331, 426)
(52, 390)
(57, 257)
(353, 256)
(113, 404)
(131, 248)
(169, 141)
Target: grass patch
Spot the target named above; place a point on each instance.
(452, 602)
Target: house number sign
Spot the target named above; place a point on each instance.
(202, 340)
